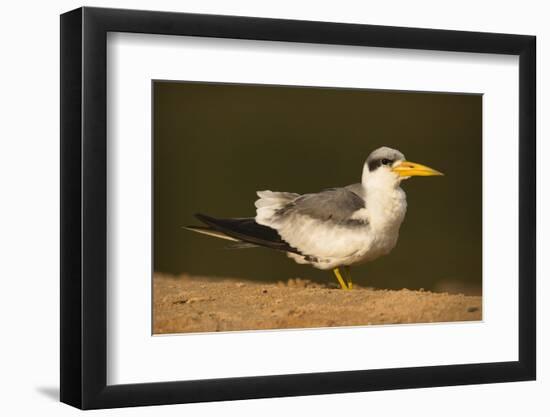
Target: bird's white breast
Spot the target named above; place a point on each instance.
(335, 245)
(385, 212)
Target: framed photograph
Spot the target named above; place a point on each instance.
(258, 208)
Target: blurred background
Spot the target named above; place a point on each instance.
(215, 145)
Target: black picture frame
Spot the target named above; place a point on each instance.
(84, 197)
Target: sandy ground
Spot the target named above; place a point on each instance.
(197, 304)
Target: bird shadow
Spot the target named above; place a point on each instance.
(50, 392)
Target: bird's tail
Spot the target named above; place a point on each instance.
(245, 232)
(208, 231)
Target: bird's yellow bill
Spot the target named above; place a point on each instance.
(411, 169)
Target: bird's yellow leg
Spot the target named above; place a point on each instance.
(340, 279)
(347, 275)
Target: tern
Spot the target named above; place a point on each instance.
(332, 229)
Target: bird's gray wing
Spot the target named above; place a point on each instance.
(357, 188)
(333, 204)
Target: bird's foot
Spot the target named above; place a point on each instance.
(340, 279)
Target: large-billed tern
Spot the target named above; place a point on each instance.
(334, 228)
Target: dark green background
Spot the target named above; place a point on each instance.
(216, 144)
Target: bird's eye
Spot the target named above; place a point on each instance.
(386, 161)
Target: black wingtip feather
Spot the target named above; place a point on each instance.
(204, 218)
(247, 230)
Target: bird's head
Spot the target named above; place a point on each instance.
(389, 166)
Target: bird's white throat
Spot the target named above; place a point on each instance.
(385, 200)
